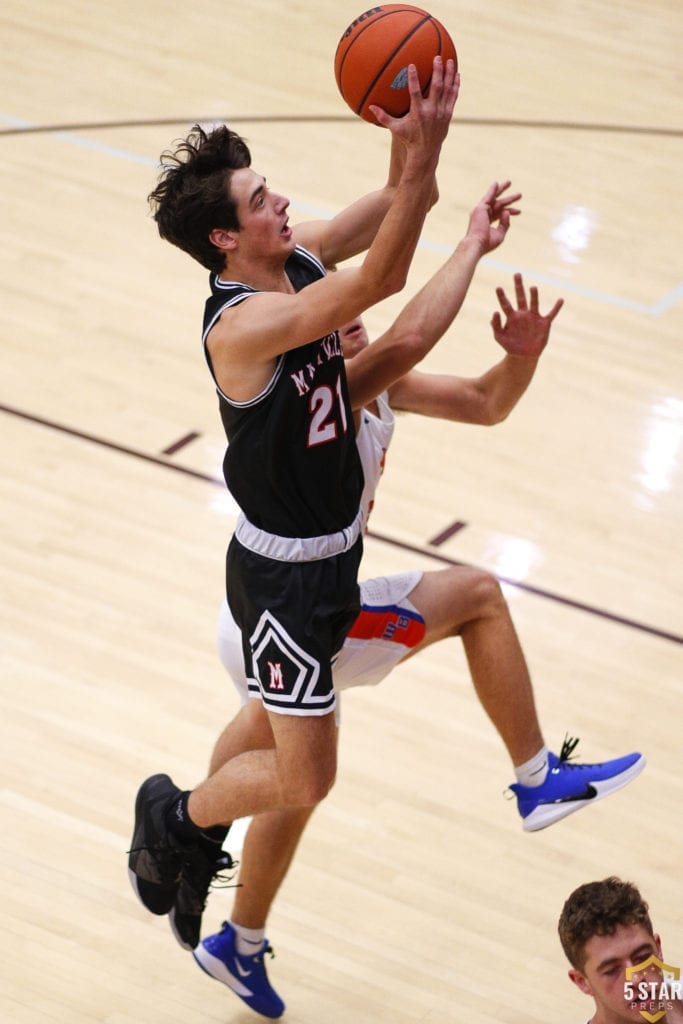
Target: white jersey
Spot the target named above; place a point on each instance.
(373, 438)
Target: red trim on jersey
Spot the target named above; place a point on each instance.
(389, 623)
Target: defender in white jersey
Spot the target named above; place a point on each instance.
(402, 614)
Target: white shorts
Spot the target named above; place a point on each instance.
(388, 627)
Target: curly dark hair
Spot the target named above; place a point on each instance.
(193, 194)
(598, 908)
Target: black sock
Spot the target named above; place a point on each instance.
(216, 834)
(180, 823)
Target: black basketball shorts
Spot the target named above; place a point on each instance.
(293, 617)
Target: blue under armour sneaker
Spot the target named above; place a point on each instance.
(245, 975)
(568, 787)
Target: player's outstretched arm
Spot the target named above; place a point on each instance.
(352, 230)
(422, 129)
(490, 398)
(254, 332)
(432, 310)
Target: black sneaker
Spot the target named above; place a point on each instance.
(155, 858)
(200, 867)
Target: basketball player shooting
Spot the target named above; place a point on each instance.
(292, 464)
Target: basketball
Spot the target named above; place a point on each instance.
(372, 57)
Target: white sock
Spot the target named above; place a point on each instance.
(249, 940)
(533, 772)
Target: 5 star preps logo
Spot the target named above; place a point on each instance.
(651, 987)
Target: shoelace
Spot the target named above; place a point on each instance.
(569, 745)
(164, 857)
(199, 878)
(269, 949)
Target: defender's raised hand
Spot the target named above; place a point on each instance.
(525, 331)
(490, 219)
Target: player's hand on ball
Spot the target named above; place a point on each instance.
(373, 55)
(427, 122)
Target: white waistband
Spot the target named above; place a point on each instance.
(296, 549)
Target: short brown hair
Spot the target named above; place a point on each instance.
(598, 908)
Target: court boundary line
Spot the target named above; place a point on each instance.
(68, 133)
(19, 127)
(425, 552)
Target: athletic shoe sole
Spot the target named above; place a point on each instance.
(177, 933)
(215, 968)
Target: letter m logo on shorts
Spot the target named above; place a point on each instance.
(276, 680)
(287, 674)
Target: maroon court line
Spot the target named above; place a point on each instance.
(528, 588)
(111, 445)
(182, 442)
(446, 534)
(475, 122)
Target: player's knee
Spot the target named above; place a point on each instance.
(477, 595)
(308, 776)
(309, 788)
(306, 757)
(488, 588)
(317, 791)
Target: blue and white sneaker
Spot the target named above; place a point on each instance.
(569, 787)
(245, 975)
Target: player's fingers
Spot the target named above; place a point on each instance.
(452, 91)
(381, 116)
(520, 294)
(437, 83)
(451, 81)
(504, 302)
(414, 83)
(489, 195)
(555, 310)
(533, 299)
(496, 322)
(496, 211)
(514, 197)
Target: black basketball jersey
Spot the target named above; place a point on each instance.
(291, 464)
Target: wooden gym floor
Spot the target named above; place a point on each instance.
(416, 898)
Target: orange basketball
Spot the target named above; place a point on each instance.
(372, 57)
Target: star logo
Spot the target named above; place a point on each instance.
(656, 991)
